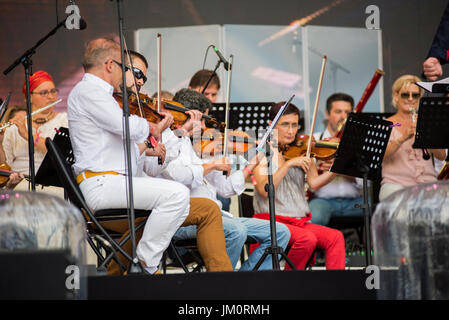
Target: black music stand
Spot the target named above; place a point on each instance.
(360, 154)
(432, 127)
(47, 175)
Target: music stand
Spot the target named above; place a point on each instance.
(360, 154)
(46, 174)
(432, 127)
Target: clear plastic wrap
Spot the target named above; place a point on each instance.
(33, 221)
(410, 231)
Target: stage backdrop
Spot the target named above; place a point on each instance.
(267, 64)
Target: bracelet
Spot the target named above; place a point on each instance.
(38, 133)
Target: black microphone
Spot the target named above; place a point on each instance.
(222, 59)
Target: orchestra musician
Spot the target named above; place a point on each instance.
(15, 142)
(403, 165)
(290, 200)
(199, 80)
(338, 197)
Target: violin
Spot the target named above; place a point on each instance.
(321, 150)
(444, 172)
(239, 142)
(146, 107)
(5, 172)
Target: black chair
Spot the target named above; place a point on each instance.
(105, 239)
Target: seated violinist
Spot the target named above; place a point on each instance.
(14, 177)
(338, 197)
(290, 200)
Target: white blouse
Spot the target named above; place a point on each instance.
(16, 147)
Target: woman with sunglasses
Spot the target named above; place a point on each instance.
(15, 142)
(403, 165)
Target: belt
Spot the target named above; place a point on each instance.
(89, 174)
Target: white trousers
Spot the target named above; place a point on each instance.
(168, 200)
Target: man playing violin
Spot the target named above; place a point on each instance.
(338, 197)
(203, 213)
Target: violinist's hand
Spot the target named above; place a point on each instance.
(14, 180)
(432, 69)
(302, 162)
(162, 125)
(324, 165)
(194, 121)
(158, 151)
(222, 164)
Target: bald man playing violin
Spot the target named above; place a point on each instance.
(203, 213)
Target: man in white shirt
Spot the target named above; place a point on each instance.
(338, 197)
(96, 129)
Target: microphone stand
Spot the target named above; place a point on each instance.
(211, 76)
(26, 61)
(135, 266)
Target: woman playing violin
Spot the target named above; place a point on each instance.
(290, 201)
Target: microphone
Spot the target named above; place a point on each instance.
(222, 59)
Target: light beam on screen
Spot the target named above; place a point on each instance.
(284, 79)
(193, 12)
(299, 23)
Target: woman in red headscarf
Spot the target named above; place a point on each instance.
(15, 141)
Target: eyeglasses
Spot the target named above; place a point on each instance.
(138, 74)
(286, 125)
(45, 93)
(406, 95)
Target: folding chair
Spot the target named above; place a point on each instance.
(105, 238)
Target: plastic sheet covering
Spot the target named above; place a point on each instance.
(410, 232)
(37, 221)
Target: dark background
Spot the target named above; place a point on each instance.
(408, 28)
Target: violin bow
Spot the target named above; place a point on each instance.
(159, 53)
(320, 83)
(228, 97)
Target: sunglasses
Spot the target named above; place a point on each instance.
(406, 95)
(139, 74)
(119, 64)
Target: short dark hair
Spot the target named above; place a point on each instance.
(138, 55)
(201, 77)
(338, 97)
(192, 99)
(291, 109)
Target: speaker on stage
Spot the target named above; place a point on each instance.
(42, 247)
(411, 235)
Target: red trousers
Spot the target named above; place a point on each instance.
(306, 236)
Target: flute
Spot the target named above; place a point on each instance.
(8, 124)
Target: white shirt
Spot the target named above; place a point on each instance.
(339, 187)
(187, 169)
(16, 147)
(96, 128)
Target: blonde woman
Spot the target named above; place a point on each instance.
(402, 165)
